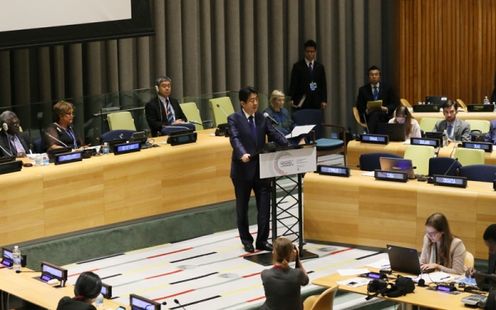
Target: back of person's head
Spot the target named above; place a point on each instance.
(282, 251)
(245, 92)
(276, 94)
(310, 43)
(440, 223)
(88, 286)
(490, 233)
(62, 108)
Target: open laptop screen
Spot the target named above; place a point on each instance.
(397, 164)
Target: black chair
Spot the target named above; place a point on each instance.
(483, 173)
(370, 161)
(336, 143)
(119, 134)
(444, 166)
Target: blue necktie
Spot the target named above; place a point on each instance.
(449, 130)
(170, 115)
(375, 93)
(253, 129)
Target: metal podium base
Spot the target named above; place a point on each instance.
(265, 258)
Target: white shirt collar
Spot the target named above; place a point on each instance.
(247, 115)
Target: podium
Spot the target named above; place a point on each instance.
(288, 165)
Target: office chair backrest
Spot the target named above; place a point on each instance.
(469, 261)
(192, 114)
(323, 301)
(428, 123)
(121, 120)
(310, 117)
(356, 114)
(404, 102)
(483, 173)
(444, 166)
(420, 156)
(478, 124)
(221, 108)
(469, 156)
(370, 161)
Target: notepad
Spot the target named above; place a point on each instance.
(375, 104)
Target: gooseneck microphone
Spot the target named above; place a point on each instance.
(268, 116)
(451, 166)
(179, 304)
(48, 134)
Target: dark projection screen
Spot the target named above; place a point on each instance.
(26, 23)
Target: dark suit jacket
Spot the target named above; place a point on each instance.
(7, 147)
(301, 77)
(68, 303)
(155, 114)
(386, 94)
(242, 142)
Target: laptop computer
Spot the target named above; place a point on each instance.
(397, 164)
(485, 281)
(395, 132)
(403, 259)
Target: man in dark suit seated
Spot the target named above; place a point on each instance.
(12, 141)
(375, 90)
(308, 86)
(249, 130)
(163, 113)
(456, 129)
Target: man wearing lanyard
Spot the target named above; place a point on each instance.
(12, 142)
(456, 129)
(249, 130)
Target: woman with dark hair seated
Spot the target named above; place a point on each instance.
(88, 286)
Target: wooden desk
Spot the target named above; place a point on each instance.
(45, 201)
(421, 297)
(24, 286)
(488, 116)
(362, 211)
(356, 148)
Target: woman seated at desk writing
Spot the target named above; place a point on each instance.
(441, 250)
(403, 116)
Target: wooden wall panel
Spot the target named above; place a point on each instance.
(447, 48)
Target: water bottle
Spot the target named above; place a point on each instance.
(99, 301)
(45, 159)
(105, 148)
(445, 138)
(38, 161)
(16, 258)
(486, 100)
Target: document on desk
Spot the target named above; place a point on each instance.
(438, 276)
(300, 130)
(380, 264)
(354, 282)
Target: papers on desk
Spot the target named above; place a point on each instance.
(367, 173)
(300, 130)
(352, 271)
(380, 264)
(354, 282)
(437, 276)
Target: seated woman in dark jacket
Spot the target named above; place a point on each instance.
(88, 286)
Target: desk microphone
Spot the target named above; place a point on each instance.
(451, 166)
(48, 134)
(179, 304)
(267, 115)
(6, 152)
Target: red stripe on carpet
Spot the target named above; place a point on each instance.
(174, 295)
(255, 299)
(163, 274)
(251, 275)
(168, 253)
(340, 251)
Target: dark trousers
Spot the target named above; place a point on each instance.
(375, 117)
(242, 190)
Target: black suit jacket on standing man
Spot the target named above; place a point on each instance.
(246, 176)
(386, 94)
(156, 116)
(301, 77)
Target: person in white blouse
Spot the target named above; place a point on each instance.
(403, 116)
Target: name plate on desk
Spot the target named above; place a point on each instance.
(377, 139)
(395, 176)
(125, 148)
(177, 139)
(486, 146)
(106, 291)
(139, 302)
(425, 142)
(334, 170)
(65, 158)
(49, 272)
(448, 180)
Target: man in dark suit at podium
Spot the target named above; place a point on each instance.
(248, 131)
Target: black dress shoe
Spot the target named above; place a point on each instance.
(264, 246)
(249, 247)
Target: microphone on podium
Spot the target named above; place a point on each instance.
(267, 115)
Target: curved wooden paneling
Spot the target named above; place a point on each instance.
(447, 48)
